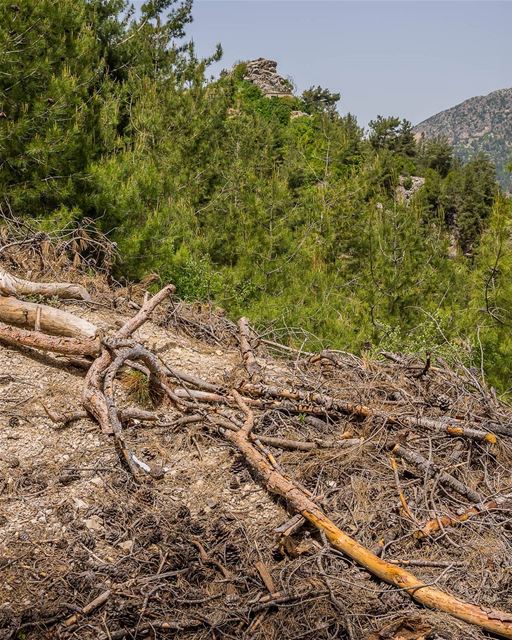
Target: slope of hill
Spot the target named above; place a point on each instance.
(482, 123)
(202, 540)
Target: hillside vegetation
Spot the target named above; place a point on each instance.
(294, 221)
(482, 123)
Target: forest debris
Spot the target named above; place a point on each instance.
(292, 525)
(89, 608)
(403, 501)
(405, 629)
(275, 411)
(262, 569)
(436, 524)
(251, 365)
(431, 469)
(331, 404)
(423, 593)
(12, 286)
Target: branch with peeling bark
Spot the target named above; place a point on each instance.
(438, 524)
(46, 319)
(494, 621)
(313, 401)
(12, 286)
(93, 397)
(64, 345)
(251, 365)
(430, 469)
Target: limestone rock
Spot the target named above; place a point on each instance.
(407, 187)
(263, 73)
(299, 114)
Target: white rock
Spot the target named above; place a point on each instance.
(94, 523)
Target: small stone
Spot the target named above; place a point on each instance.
(80, 504)
(94, 523)
(127, 545)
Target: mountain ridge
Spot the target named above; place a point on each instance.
(480, 123)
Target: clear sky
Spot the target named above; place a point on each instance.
(406, 58)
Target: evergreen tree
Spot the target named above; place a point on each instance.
(106, 113)
(320, 100)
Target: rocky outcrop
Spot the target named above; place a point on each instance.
(263, 73)
(407, 187)
(299, 114)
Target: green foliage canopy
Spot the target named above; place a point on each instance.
(294, 221)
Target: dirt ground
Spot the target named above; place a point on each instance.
(189, 555)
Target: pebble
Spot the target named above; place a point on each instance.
(94, 523)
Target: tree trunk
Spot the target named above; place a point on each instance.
(41, 317)
(13, 286)
(57, 344)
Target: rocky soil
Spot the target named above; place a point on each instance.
(87, 552)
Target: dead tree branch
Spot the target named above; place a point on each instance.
(493, 621)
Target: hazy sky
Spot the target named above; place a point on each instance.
(406, 58)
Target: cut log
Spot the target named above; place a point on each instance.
(13, 286)
(498, 622)
(48, 319)
(57, 344)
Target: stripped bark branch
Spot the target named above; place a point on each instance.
(494, 621)
(12, 286)
(436, 524)
(431, 469)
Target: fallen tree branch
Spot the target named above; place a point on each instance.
(306, 400)
(64, 345)
(89, 608)
(12, 286)
(93, 397)
(431, 469)
(44, 318)
(494, 621)
(436, 524)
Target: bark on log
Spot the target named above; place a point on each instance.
(13, 286)
(44, 318)
(37, 340)
(497, 622)
(431, 469)
(436, 524)
(330, 404)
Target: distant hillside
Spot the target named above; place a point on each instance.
(482, 123)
